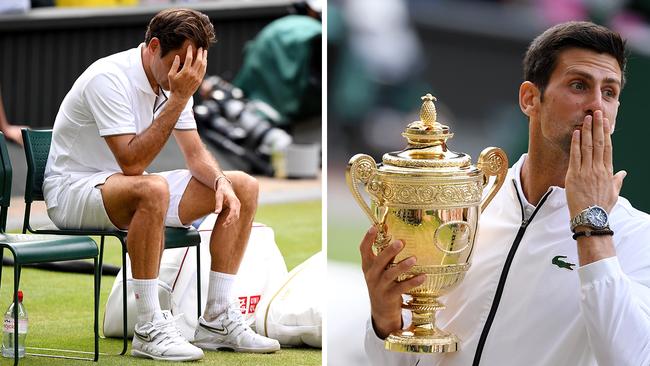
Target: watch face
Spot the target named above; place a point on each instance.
(597, 217)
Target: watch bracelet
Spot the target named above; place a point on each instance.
(588, 233)
(573, 223)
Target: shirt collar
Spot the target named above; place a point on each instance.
(136, 71)
(557, 197)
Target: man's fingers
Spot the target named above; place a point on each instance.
(407, 285)
(388, 254)
(598, 138)
(365, 248)
(230, 217)
(380, 261)
(174, 70)
(233, 211)
(199, 58)
(574, 156)
(393, 273)
(607, 151)
(204, 64)
(586, 143)
(218, 198)
(231, 206)
(189, 57)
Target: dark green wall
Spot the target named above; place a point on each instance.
(631, 137)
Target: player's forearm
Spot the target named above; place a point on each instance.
(594, 248)
(204, 167)
(144, 147)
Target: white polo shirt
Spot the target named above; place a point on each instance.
(112, 97)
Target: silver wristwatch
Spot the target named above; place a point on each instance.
(594, 217)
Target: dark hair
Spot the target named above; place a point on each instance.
(173, 26)
(542, 54)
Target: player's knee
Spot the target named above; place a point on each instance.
(154, 192)
(248, 190)
(252, 185)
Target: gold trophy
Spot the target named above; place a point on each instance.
(430, 198)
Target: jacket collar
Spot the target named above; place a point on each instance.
(557, 196)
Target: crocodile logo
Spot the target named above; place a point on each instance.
(558, 261)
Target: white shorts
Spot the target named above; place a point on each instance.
(81, 205)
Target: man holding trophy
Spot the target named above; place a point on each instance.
(560, 269)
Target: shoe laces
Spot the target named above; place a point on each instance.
(168, 331)
(235, 319)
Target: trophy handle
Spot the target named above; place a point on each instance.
(492, 162)
(361, 169)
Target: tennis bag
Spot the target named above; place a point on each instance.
(292, 312)
(262, 268)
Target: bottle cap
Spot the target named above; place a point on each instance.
(20, 296)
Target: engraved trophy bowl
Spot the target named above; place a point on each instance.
(430, 198)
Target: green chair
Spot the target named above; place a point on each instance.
(33, 249)
(37, 148)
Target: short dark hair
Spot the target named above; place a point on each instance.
(542, 54)
(173, 26)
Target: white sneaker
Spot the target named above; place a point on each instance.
(160, 339)
(230, 331)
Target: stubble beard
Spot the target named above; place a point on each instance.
(565, 144)
(562, 142)
(565, 140)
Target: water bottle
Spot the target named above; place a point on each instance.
(8, 329)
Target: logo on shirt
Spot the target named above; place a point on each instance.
(558, 261)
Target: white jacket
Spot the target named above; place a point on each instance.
(545, 315)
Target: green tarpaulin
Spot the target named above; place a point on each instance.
(282, 67)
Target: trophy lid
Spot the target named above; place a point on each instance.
(427, 143)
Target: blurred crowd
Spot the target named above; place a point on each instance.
(631, 18)
(23, 6)
(380, 58)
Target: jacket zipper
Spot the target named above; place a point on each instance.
(504, 273)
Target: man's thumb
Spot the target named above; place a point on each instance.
(618, 180)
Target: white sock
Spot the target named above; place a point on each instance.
(219, 294)
(146, 299)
